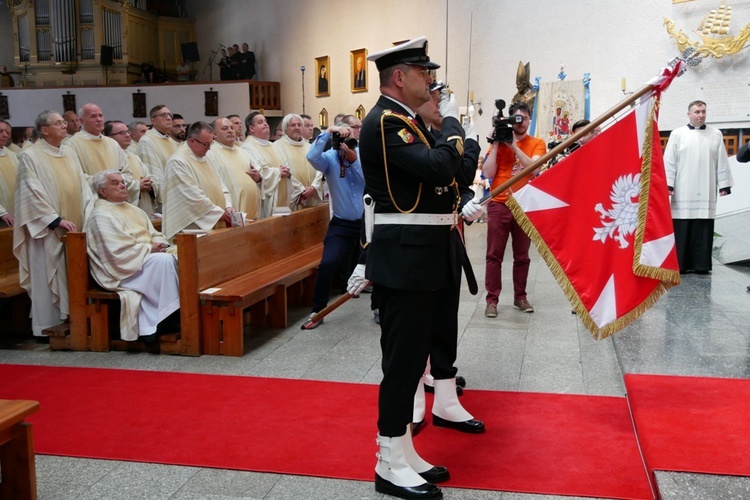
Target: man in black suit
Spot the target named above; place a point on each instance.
(411, 257)
(360, 76)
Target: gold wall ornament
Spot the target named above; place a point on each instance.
(713, 31)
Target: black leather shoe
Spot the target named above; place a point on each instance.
(431, 389)
(416, 428)
(472, 426)
(437, 474)
(426, 491)
(460, 381)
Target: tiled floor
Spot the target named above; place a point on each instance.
(699, 328)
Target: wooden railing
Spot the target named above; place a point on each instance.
(265, 95)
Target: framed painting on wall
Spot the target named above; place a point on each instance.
(359, 70)
(322, 70)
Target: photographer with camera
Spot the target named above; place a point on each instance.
(512, 150)
(341, 167)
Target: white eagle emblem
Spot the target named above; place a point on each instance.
(620, 221)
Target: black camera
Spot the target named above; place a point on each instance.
(502, 126)
(336, 141)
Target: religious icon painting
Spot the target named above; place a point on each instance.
(359, 70)
(212, 102)
(139, 105)
(69, 102)
(323, 119)
(323, 72)
(4, 109)
(360, 112)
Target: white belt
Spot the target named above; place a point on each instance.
(418, 219)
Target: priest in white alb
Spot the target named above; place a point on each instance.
(97, 152)
(50, 199)
(147, 185)
(8, 169)
(196, 196)
(156, 146)
(697, 170)
(128, 256)
(277, 185)
(234, 167)
(307, 183)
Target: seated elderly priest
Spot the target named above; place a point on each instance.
(130, 257)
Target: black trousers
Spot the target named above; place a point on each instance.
(694, 239)
(340, 249)
(411, 322)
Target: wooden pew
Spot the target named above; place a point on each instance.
(9, 285)
(95, 312)
(14, 302)
(17, 461)
(262, 266)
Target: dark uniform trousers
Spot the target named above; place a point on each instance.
(409, 320)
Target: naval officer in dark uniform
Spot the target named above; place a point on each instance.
(411, 259)
(440, 376)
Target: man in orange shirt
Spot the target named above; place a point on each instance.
(504, 161)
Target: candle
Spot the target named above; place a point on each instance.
(623, 84)
(471, 96)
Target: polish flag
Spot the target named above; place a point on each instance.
(601, 220)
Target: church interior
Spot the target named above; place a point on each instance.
(126, 56)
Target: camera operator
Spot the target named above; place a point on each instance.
(504, 161)
(341, 167)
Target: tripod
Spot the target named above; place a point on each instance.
(210, 63)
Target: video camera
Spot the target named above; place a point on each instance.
(502, 126)
(336, 141)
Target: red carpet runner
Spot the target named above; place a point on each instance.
(535, 443)
(692, 424)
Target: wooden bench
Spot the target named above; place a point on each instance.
(14, 302)
(95, 313)
(17, 462)
(261, 267)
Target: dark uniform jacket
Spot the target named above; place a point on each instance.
(411, 257)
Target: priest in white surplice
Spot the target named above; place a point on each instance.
(277, 185)
(196, 196)
(128, 256)
(697, 168)
(96, 152)
(147, 185)
(156, 146)
(8, 169)
(307, 183)
(50, 200)
(234, 167)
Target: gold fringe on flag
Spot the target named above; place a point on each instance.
(668, 278)
(658, 273)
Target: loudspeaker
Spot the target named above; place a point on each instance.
(106, 55)
(190, 52)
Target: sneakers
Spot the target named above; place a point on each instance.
(523, 305)
(491, 311)
(313, 326)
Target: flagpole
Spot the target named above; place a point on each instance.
(567, 142)
(327, 310)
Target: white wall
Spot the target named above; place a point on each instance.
(117, 102)
(610, 39)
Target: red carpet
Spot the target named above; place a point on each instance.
(692, 424)
(535, 443)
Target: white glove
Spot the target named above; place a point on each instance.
(448, 105)
(469, 131)
(357, 281)
(471, 211)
